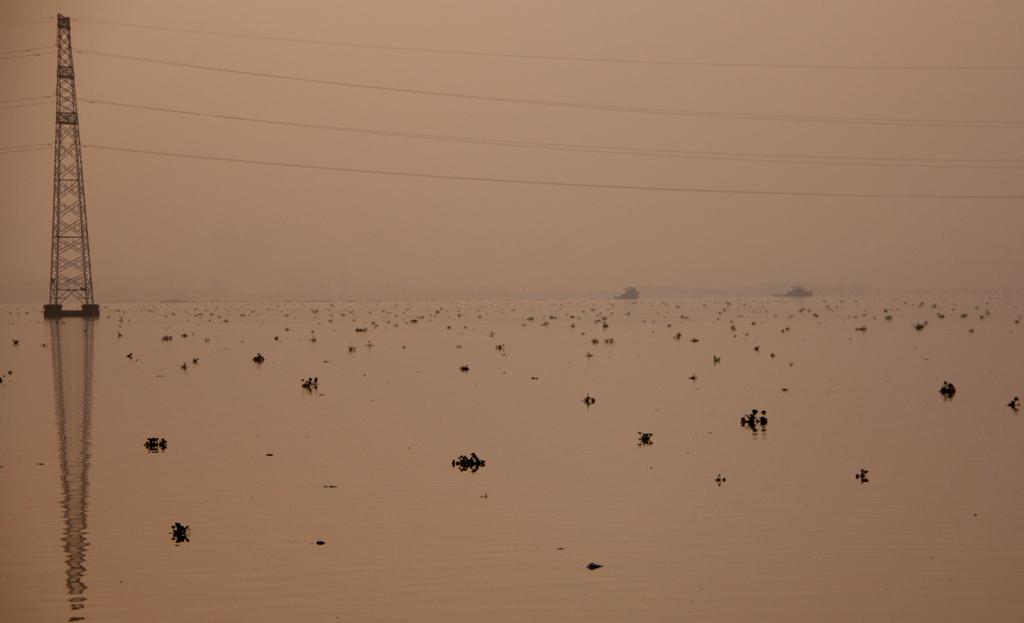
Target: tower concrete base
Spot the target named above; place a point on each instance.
(58, 311)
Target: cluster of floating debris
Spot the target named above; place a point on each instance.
(756, 420)
(156, 444)
(752, 420)
(471, 462)
(947, 391)
(179, 533)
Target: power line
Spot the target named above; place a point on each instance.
(31, 55)
(585, 106)
(25, 99)
(20, 148)
(630, 151)
(23, 105)
(27, 50)
(25, 149)
(587, 59)
(26, 21)
(465, 178)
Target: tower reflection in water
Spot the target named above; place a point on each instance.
(72, 342)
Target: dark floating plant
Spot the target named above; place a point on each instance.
(310, 384)
(589, 401)
(947, 391)
(156, 444)
(470, 463)
(179, 533)
(752, 420)
(259, 358)
(645, 439)
(862, 476)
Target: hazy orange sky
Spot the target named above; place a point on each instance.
(562, 146)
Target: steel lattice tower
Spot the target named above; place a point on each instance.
(70, 266)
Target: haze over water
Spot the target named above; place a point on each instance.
(466, 425)
(261, 469)
(444, 149)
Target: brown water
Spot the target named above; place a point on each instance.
(261, 469)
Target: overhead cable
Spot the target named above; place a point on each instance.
(551, 57)
(29, 55)
(27, 50)
(466, 178)
(26, 21)
(630, 151)
(20, 148)
(5, 107)
(25, 99)
(585, 106)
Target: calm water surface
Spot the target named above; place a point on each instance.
(261, 470)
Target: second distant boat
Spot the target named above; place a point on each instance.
(796, 292)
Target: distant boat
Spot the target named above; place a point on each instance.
(629, 294)
(797, 292)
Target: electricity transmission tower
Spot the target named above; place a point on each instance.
(70, 266)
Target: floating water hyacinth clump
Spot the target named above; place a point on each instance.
(470, 463)
(752, 420)
(180, 533)
(947, 391)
